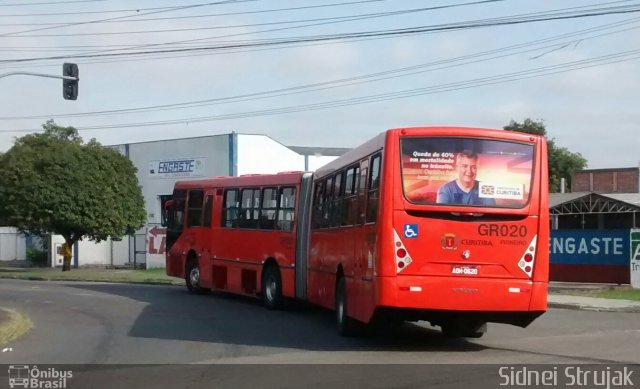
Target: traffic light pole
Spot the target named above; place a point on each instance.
(69, 79)
(39, 75)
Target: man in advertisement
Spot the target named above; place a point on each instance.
(464, 190)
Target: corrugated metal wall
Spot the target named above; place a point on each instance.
(12, 245)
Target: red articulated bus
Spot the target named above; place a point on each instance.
(443, 224)
(239, 234)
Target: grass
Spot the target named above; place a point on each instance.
(12, 325)
(620, 292)
(150, 276)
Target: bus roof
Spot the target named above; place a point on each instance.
(284, 178)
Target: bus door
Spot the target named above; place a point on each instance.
(366, 243)
(371, 174)
(205, 237)
(361, 247)
(195, 203)
(175, 226)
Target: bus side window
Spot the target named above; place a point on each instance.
(287, 208)
(361, 195)
(336, 209)
(317, 205)
(268, 209)
(350, 201)
(194, 213)
(249, 208)
(230, 214)
(178, 221)
(373, 194)
(327, 203)
(207, 211)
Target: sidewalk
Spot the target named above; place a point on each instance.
(558, 300)
(592, 303)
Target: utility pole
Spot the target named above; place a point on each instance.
(69, 79)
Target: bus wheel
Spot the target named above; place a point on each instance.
(192, 277)
(346, 325)
(464, 330)
(272, 287)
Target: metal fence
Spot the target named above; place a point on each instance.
(138, 250)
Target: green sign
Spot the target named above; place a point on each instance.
(635, 258)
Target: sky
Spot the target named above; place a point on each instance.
(325, 73)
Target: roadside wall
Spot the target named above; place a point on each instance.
(12, 245)
(600, 256)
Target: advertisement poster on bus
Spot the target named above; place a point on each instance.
(467, 171)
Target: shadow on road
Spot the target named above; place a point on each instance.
(172, 313)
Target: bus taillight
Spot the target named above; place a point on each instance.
(403, 259)
(528, 258)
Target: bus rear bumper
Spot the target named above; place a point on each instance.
(439, 317)
(511, 301)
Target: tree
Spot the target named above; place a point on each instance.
(562, 162)
(52, 182)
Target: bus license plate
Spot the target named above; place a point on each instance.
(464, 270)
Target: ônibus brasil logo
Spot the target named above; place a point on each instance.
(25, 376)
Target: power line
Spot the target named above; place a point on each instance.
(508, 77)
(94, 54)
(243, 50)
(359, 79)
(473, 83)
(178, 17)
(369, 15)
(483, 23)
(333, 18)
(209, 53)
(51, 2)
(127, 16)
(337, 18)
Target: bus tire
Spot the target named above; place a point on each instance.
(345, 325)
(192, 277)
(272, 287)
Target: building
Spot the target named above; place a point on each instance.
(593, 227)
(619, 180)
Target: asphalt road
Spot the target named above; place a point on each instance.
(91, 323)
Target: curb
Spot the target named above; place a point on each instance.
(16, 326)
(37, 278)
(581, 307)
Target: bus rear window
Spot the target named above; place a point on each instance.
(466, 171)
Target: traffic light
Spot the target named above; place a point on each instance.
(70, 86)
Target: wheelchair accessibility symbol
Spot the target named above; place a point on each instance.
(410, 230)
